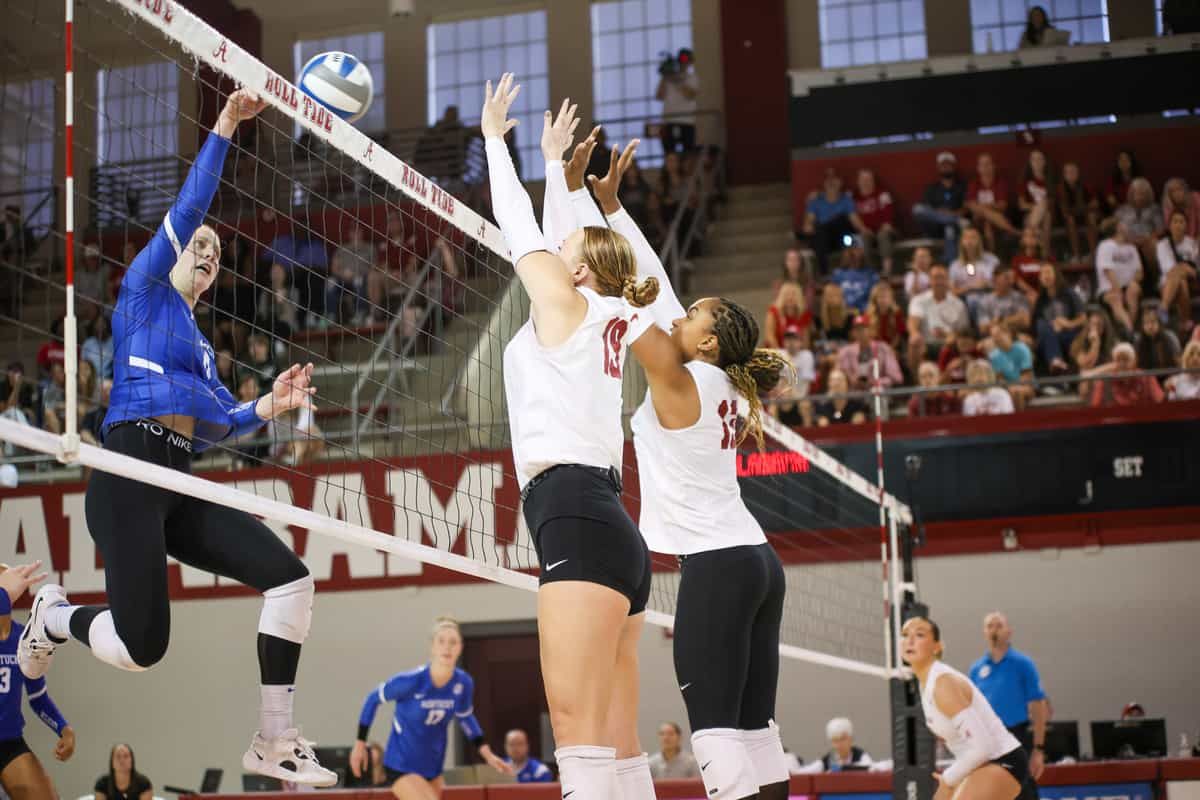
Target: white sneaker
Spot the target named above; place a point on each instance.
(287, 757)
(36, 649)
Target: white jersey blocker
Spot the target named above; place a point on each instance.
(975, 735)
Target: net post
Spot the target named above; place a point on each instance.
(889, 579)
(69, 448)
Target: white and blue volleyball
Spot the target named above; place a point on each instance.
(340, 82)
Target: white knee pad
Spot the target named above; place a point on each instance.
(766, 754)
(287, 610)
(724, 763)
(107, 646)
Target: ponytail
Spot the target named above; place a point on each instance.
(639, 295)
(755, 376)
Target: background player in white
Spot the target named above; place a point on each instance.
(989, 762)
(562, 380)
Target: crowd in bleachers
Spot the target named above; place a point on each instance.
(1009, 285)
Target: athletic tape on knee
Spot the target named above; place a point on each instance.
(287, 610)
(587, 772)
(724, 764)
(766, 754)
(107, 645)
(634, 781)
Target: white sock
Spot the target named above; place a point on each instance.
(587, 772)
(634, 781)
(275, 709)
(58, 621)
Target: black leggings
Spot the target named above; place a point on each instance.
(136, 526)
(727, 636)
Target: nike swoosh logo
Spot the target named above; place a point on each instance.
(548, 568)
(682, 688)
(704, 766)
(260, 757)
(568, 794)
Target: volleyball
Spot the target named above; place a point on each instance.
(340, 82)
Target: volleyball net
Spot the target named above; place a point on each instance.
(372, 258)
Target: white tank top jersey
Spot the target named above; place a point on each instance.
(564, 402)
(691, 501)
(1000, 741)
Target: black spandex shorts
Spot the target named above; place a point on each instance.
(582, 532)
(11, 750)
(1016, 763)
(394, 775)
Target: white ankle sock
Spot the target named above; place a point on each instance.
(58, 621)
(275, 709)
(587, 772)
(634, 781)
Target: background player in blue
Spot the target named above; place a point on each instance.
(21, 773)
(166, 392)
(427, 699)
(528, 770)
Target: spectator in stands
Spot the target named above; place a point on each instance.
(225, 370)
(1127, 391)
(830, 219)
(885, 315)
(1039, 32)
(54, 398)
(1009, 680)
(87, 386)
(957, 354)
(116, 272)
(793, 268)
(1036, 198)
(91, 285)
(98, 347)
(1004, 304)
(838, 408)
(971, 273)
(1058, 318)
(1156, 346)
(261, 361)
(857, 359)
(51, 352)
(1143, 219)
(843, 752)
(1178, 256)
(791, 406)
(91, 423)
(348, 271)
(278, 309)
(916, 280)
(934, 317)
(1013, 363)
(398, 260)
(307, 262)
(854, 276)
(942, 208)
(678, 88)
(379, 773)
(984, 397)
(834, 316)
(123, 781)
(441, 151)
(1119, 277)
(671, 760)
(635, 190)
(17, 242)
(788, 311)
(248, 446)
(1080, 208)
(527, 769)
(987, 201)
(18, 396)
(1133, 711)
(1094, 347)
(1177, 196)
(296, 437)
(877, 211)
(932, 404)
(1124, 171)
(1186, 385)
(233, 303)
(1027, 263)
(656, 226)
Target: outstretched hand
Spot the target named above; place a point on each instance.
(292, 389)
(606, 188)
(493, 120)
(242, 105)
(575, 168)
(358, 758)
(66, 744)
(558, 132)
(16, 581)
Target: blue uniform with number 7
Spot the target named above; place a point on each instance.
(417, 743)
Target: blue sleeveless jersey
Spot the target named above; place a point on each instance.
(162, 363)
(13, 683)
(417, 742)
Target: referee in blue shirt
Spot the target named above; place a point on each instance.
(1009, 680)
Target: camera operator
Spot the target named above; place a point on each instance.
(677, 89)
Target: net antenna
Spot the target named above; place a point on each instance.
(823, 517)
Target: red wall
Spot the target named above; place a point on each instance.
(1163, 153)
(754, 61)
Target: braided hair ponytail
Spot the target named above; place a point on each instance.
(752, 370)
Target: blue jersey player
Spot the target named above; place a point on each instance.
(21, 773)
(427, 700)
(168, 401)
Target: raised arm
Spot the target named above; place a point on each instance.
(292, 389)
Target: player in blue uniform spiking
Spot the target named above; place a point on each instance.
(21, 773)
(427, 699)
(167, 400)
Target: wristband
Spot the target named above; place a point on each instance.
(363, 732)
(478, 742)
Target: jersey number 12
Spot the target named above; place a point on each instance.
(729, 422)
(614, 336)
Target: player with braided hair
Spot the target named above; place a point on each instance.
(702, 365)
